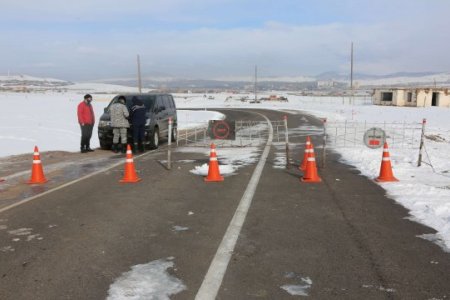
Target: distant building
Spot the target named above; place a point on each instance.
(325, 84)
(275, 98)
(415, 97)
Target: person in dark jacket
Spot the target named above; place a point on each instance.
(138, 120)
(86, 119)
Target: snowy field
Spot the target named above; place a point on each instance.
(49, 120)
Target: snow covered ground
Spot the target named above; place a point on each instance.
(49, 120)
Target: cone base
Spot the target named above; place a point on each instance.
(317, 180)
(393, 179)
(214, 179)
(37, 181)
(130, 180)
(1, 179)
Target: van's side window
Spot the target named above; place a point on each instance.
(160, 102)
(150, 102)
(171, 101)
(167, 103)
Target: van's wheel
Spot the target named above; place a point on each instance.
(174, 134)
(154, 140)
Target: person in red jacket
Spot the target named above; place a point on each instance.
(86, 119)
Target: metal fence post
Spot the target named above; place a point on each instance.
(286, 137)
(422, 137)
(345, 133)
(169, 143)
(204, 137)
(324, 142)
(278, 134)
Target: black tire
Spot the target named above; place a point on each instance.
(154, 140)
(174, 134)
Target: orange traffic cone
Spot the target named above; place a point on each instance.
(386, 168)
(306, 154)
(37, 172)
(310, 174)
(130, 172)
(213, 168)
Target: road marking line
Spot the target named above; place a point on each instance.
(214, 277)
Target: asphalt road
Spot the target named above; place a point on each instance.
(339, 239)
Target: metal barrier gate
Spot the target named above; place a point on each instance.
(248, 133)
(350, 134)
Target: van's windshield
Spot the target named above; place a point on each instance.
(149, 101)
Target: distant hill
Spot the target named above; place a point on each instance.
(325, 80)
(15, 82)
(360, 79)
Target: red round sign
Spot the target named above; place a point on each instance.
(221, 130)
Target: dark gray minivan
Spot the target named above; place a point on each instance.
(159, 107)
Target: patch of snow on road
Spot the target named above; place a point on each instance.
(223, 169)
(146, 281)
(185, 161)
(25, 232)
(34, 236)
(180, 228)
(238, 156)
(380, 288)
(305, 130)
(279, 161)
(230, 159)
(7, 249)
(301, 289)
(3, 227)
(21, 231)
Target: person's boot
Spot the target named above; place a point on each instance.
(88, 149)
(142, 148)
(135, 148)
(83, 149)
(124, 148)
(115, 148)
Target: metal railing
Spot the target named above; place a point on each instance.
(350, 134)
(247, 133)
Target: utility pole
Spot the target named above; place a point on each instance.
(351, 68)
(256, 79)
(139, 74)
(351, 74)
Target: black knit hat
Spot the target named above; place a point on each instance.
(87, 96)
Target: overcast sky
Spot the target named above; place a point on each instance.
(96, 39)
